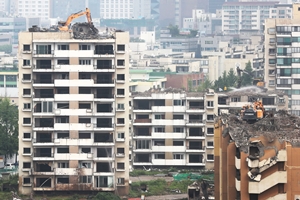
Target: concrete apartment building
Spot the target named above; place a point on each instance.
(171, 127)
(73, 113)
(281, 57)
(245, 17)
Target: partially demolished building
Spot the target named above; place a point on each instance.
(171, 127)
(73, 96)
(257, 161)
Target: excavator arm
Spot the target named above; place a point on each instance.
(65, 25)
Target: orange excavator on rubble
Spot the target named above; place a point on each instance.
(65, 25)
(253, 112)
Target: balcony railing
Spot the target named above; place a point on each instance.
(42, 140)
(104, 67)
(44, 155)
(195, 147)
(99, 81)
(43, 52)
(43, 66)
(42, 81)
(142, 121)
(104, 52)
(196, 107)
(195, 121)
(104, 96)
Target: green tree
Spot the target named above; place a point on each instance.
(106, 196)
(174, 30)
(231, 78)
(8, 129)
(207, 84)
(247, 78)
(6, 48)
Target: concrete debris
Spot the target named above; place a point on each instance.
(254, 91)
(166, 91)
(280, 125)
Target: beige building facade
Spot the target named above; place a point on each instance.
(73, 113)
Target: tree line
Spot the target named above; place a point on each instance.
(225, 82)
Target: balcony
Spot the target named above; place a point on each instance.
(142, 122)
(43, 83)
(139, 109)
(104, 83)
(237, 184)
(66, 171)
(42, 142)
(168, 122)
(43, 156)
(104, 53)
(168, 148)
(71, 97)
(43, 53)
(168, 135)
(195, 137)
(26, 51)
(268, 182)
(195, 149)
(73, 83)
(104, 97)
(195, 109)
(26, 66)
(194, 122)
(237, 163)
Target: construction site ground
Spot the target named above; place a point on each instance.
(149, 178)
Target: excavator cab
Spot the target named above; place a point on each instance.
(254, 112)
(258, 83)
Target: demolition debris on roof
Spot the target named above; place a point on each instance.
(279, 125)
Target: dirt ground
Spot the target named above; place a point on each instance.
(149, 178)
(167, 197)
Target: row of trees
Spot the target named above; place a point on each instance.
(226, 81)
(9, 129)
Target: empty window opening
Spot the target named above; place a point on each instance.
(43, 182)
(85, 150)
(26, 180)
(42, 167)
(196, 105)
(63, 90)
(44, 93)
(195, 145)
(194, 132)
(104, 64)
(84, 75)
(43, 64)
(253, 151)
(43, 152)
(195, 118)
(84, 120)
(83, 90)
(62, 135)
(63, 62)
(178, 143)
(103, 167)
(104, 49)
(159, 156)
(63, 105)
(195, 158)
(84, 135)
(142, 158)
(120, 62)
(84, 164)
(104, 152)
(43, 78)
(103, 137)
(44, 137)
(63, 150)
(105, 78)
(142, 131)
(159, 142)
(44, 122)
(64, 180)
(101, 107)
(104, 122)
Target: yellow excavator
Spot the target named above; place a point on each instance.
(65, 25)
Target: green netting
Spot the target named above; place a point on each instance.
(190, 176)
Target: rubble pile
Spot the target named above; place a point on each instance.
(160, 90)
(280, 125)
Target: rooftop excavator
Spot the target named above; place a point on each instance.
(256, 110)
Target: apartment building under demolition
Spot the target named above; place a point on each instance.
(73, 116)
(171, 127)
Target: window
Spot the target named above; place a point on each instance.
(121, 92)
(26, 180)
(272, 30)
(26, 150)
(178, 156)
(210, 144)
(210, 103)
(43, 49)
(62, 120)
(62, 135)
(84, 106)
(84, 47)
(85, 150)
(159, 116)
(178, 103)
(120, 151)
(85, 179)
(64, 180)
(63, 165)
(120, 62)
(121, 181)
(63, 150)
(210, 131)
(26, 47)
(26, 135)
(210, 157)
(159, 129)
(84, 135)
(178, 143)
(26, 120)
(26, 62)
(178, 117)
(120, 165)
(210, 117)
(120, 77)
(272, 40)
(63, 62)
(120, 106)
(63, 47)
(26, 77)
(120, 120)
(271, 82)
(159, 156)
(26, 106)
(85, 165)
(121, 47)
(121, 135)
(236, 99)
(178, 129)
(84, 120)
(26, 165)
(11, 78)
(272, 61)
(63, 105)
(47, 106)
(84, 62)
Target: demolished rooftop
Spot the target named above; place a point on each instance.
(280, 126)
